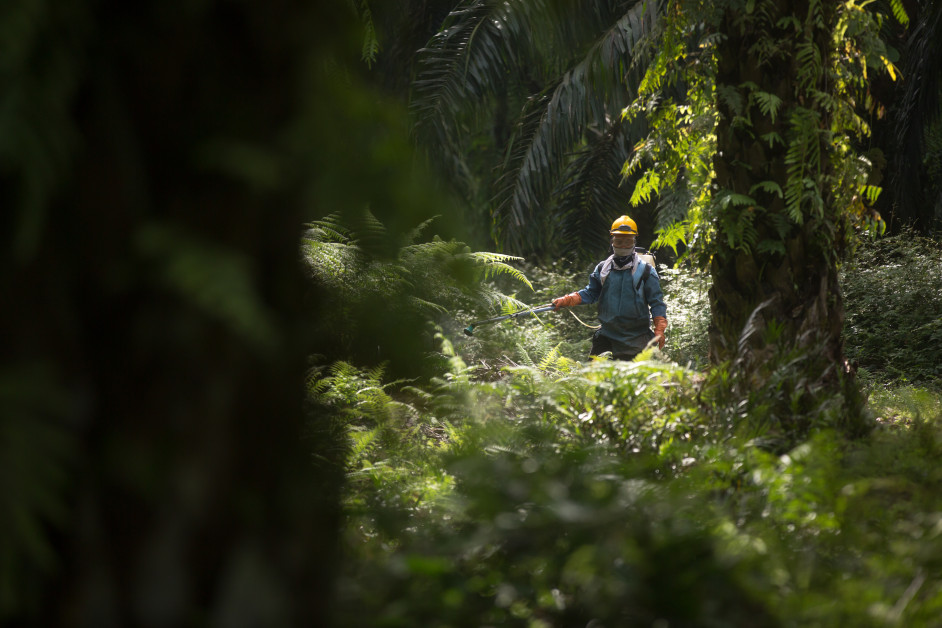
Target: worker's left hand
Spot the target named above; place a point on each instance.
(660, 325)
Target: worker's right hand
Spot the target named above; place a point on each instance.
(567, 301)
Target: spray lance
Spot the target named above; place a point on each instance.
(469, 330)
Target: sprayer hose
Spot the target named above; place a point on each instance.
(582, 322)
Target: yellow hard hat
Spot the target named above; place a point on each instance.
(624, 225)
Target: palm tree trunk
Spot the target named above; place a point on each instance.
(775, 281)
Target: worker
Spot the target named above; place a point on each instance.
(628, 291)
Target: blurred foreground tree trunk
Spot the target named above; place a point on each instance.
(157, 161)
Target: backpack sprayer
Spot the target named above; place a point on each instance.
(469, 330)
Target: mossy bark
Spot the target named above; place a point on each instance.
(779, 288)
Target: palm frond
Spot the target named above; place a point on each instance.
(590, 94)
(591, 192)
(467, 61)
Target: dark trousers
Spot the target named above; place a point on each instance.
(601, 344)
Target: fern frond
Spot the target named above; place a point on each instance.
(554, 362)
(769, 104)
(771, 138)
(675, 233)
(771, 246)
(899, 12)
(435, 249)
(428, 307)
(507, 304)
(780, 224)
(370, 47)
(770, 187)
(487, 257)
(415, 233)
(731, 96)
(789, 21)
(493, 265)
(549, 359)
(369, 228)
(423, 281)
(648, 185)
(527, 361)
(726, 198)
(361, 440)
(674, 205)
(329, 229)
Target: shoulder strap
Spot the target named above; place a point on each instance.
(644, 275)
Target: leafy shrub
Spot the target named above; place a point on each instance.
(529, 486)
(637, 407)
(688, 314)
(568, 492)
(382, 293)
(391, 475)
(554, 516)
(542, 538)
(893, 299)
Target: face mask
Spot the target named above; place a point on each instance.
(623, 252)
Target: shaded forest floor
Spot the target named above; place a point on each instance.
(530, 486)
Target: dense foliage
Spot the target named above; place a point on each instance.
(747, 122)
(191, 419)
(381, 289)
(528, 486)
(894, 316)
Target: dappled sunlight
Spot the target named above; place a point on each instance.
(284, 343)
(522, 485)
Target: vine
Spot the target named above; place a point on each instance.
(818, 125)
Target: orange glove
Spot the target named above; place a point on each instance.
(660, 324)
(567, 301)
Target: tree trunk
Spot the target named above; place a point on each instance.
(775, 281)
(155, 335)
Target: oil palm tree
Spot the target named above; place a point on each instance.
(787, 187)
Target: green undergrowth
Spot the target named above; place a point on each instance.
(893, 295)
(527, 485)
(569, 331)
(601, 491)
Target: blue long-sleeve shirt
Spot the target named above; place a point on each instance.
(624, 311)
